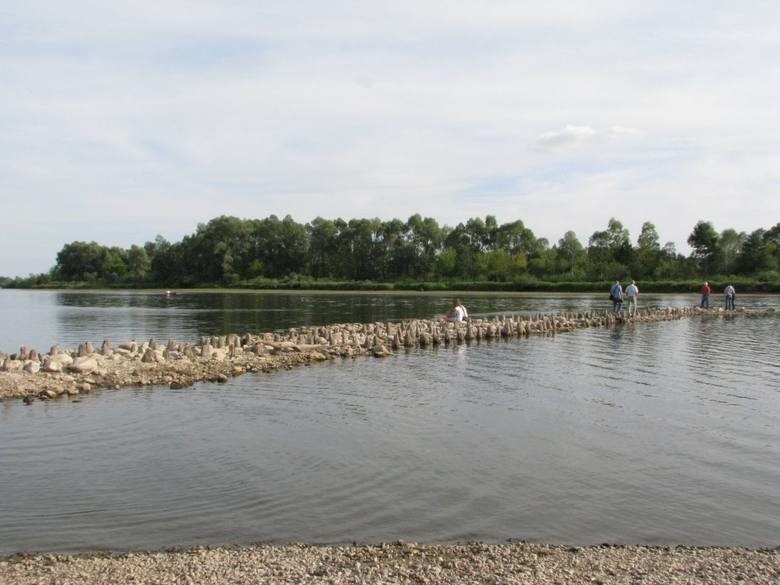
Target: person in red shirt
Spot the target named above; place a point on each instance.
(705, 296)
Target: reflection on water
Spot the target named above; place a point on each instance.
(39, 319)
(663, 433)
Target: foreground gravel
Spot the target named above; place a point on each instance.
(404, 563)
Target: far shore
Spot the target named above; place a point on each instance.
(464, 293)
(316, 291)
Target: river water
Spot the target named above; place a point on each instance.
(664, 433)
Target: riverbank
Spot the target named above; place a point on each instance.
(405, 563)
(32, 375)
(745, 285)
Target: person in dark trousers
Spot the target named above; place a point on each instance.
(706, 291)
(616, 294)
(731, 296)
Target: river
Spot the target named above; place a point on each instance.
(664, 433)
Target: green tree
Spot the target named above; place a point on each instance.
(466, 241)
(219, 251)
(400, 256)
(672, 266)
(322, 235)
(426, 238)
(115, 265)
(368, 253)
(729, 246)
(447, 263)
(81, 261)
(572, 257)
(610, 251)
(755, 257)
(520, 243)
(648, 252)
(543, 264)
(704, 241)
(167, 266)
(280, 245)
(138, 263)
(772, 239)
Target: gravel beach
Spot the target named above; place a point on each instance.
(404, 563)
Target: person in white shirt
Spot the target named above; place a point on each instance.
(632, 293)
(457, 312)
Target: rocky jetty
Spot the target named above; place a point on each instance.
(32, 376)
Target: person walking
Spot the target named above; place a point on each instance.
(616, 294)
(632, 294)
(706, 291)
(731, 296)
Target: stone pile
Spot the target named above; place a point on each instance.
(29, 375)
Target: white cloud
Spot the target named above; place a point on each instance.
(572, 136)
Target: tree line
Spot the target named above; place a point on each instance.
(228, 251)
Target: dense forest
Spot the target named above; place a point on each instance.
(417, 253)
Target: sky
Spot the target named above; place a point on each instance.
(124, 120)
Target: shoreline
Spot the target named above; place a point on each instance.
(402, 563)
(31, 375)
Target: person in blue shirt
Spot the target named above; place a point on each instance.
(616, 294)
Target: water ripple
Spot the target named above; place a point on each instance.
(660, 434)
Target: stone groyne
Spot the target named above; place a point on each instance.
(32, 376)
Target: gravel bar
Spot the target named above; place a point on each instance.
(401, 562)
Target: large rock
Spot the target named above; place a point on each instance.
(380, 350)
(10, 365)
(31, 367)
(84, 365)
(63, 360)
(51, 365)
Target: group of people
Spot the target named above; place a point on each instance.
(729, 293)
(617, 295)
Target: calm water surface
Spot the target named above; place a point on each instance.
(39, 319)
(663, 433)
